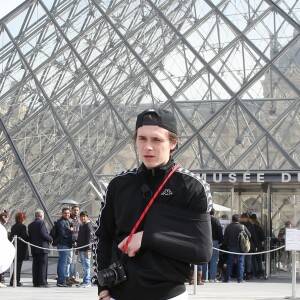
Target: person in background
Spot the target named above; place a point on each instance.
(205, 270)
(5, 256)
(199, 275)
(247, 222)
(257, 259)
(85, 238)
(64, 231)
(285, 256)
(4, 216)
(209, 270)
(72, 259)
(217, 236)
(39, 236)
(152, 273)
(231, 241)
(19, 230)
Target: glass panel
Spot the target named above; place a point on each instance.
(285, 210)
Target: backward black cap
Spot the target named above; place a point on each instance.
(165, 119)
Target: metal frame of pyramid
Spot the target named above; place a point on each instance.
(75, 73)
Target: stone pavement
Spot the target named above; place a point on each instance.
(274, 288)
(277, 287)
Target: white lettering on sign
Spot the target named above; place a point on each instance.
(203, 176)
(285, 177)
(260, 177)
(232, 177)
(215, 177)
(246, 177)
(249, 177)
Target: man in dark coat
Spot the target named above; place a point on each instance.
(39, 236)
(231, 242)
(85, 238)
(257, 259)
(64, 231)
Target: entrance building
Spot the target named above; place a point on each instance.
(273, 196)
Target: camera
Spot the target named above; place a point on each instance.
(112, 276)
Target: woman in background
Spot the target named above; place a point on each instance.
(19, 229)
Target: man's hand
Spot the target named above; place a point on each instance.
(104, 295)
(134, 245)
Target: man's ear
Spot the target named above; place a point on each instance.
(173, 145)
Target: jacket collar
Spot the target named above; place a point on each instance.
(160, 170)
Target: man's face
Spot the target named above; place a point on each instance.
(153, 145)
(66, 214)
(84, 219)
(75, 211)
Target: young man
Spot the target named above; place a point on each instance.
(64, 231)
(152, 269)
(72, 259)
(85, 237)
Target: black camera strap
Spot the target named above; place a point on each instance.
(147, 207)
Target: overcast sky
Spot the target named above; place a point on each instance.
(7, 6)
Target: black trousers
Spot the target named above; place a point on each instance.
(39, 269)
(19, 267)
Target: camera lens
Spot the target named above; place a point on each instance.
(107, 277)
(94, 279)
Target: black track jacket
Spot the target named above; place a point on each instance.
(151, 275)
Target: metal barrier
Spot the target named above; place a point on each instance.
(195, 267)
(15, 240)
(237, 253)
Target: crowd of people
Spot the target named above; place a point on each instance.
(245, 263)
(208, 272)
(250, 266)
(75, 238)
(225, 265)
(75, 234)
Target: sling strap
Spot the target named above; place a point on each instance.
(147, 208)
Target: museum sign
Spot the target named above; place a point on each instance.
(250, 177)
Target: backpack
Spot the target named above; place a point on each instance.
(54, 234)
(243, 241)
